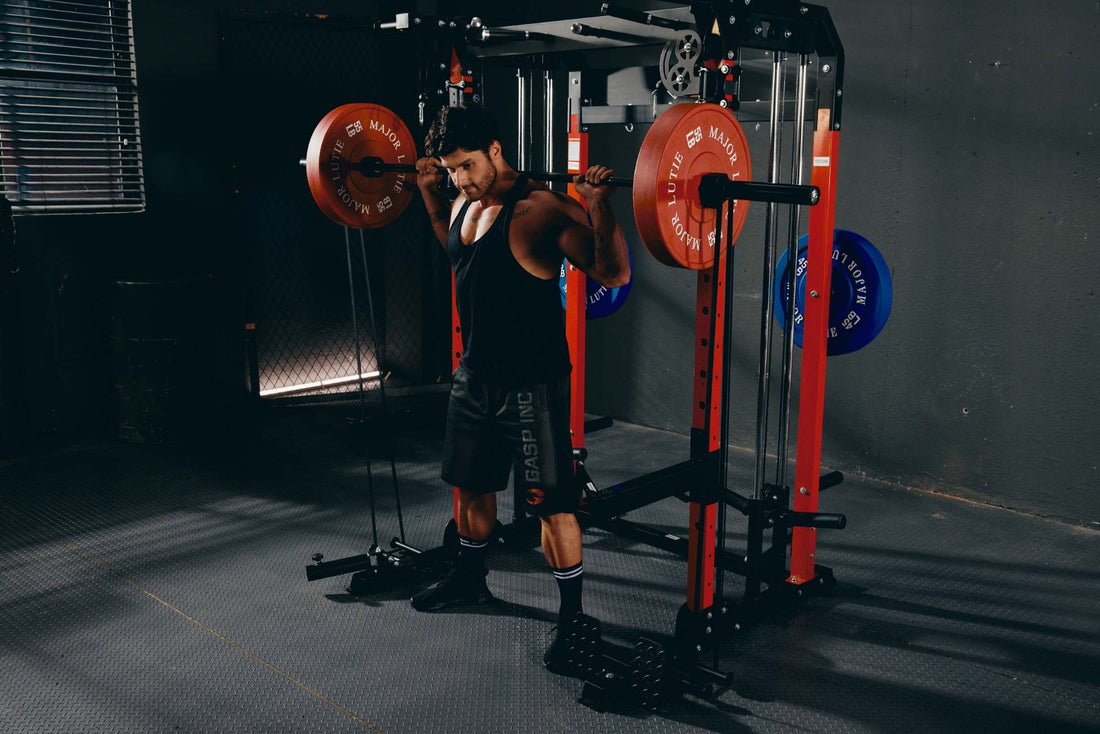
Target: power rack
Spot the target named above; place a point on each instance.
(712, 52)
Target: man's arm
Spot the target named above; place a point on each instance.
(428, 176)
(600, 251)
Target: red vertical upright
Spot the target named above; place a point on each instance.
(576, 289)
(456, 354)
(707, 419)
(815, 328)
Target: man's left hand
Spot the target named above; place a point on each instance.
(586, 183)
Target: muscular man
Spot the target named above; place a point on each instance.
(506, 236)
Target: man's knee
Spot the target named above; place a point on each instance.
(469, 497)
(558, 521)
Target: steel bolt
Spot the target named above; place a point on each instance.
(814, 294)
(787, 33)
(825, 68)
(733, 19)
(730, 54)
(803, 490)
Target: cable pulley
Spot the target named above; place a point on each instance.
(679, 64)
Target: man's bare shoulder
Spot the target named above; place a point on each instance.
(540, 201)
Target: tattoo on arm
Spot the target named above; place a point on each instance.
(602, 245)
(521, 212)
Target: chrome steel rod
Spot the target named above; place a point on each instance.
(548, 119)
(770, 225)
(797, 163)
(521, 118)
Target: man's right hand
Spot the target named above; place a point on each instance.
(428, 175)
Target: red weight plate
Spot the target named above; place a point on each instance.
(346, 136)
(685, 142)
(314, 174)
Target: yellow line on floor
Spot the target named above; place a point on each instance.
(107, 567)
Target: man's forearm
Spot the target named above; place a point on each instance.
(439, 213)
(611, 253)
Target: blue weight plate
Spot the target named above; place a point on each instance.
(601, 301)
(860, 298)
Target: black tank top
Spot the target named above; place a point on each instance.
(512, 328)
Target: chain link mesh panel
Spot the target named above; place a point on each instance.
(304, 271)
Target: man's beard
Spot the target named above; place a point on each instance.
(481, 187)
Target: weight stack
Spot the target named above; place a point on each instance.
(161, 333)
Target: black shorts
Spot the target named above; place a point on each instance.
(492, 429)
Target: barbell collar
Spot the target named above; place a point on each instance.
(715, 189)
(375, 167)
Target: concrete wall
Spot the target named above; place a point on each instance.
(969, 157)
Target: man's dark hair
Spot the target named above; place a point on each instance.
(471, 128)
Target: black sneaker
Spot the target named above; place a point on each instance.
(456, 588)
(575, 649)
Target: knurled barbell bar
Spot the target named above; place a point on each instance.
(714, 187)
(694, 157)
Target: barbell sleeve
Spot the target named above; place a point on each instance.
(717, 188)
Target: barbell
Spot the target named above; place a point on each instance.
(359, 165)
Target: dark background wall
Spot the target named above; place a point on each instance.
(968, 157)
(229, 95)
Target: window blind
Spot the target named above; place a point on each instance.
(69, 136)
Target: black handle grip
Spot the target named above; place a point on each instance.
(327, 569)
(814, 520)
